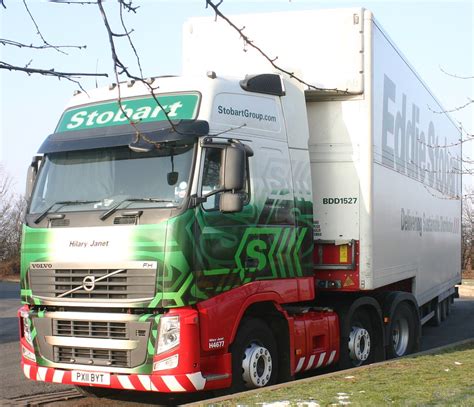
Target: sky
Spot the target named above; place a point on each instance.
(433, 36)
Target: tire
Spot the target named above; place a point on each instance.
(358, 343)
(402, 332)
(448, 306)
(254, 356)
(444, 309)
(436, 320)
(95, 392)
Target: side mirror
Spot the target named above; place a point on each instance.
(31, 175)
(230, 202)
(233, 168)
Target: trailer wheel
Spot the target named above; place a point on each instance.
(95, 392)
(360, 343)
(437, 319)
(254, 356)
(444, 309)
(448, 306)
(402, 331)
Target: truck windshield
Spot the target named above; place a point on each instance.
(103, 178)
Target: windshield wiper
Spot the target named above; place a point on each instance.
(62, 203)
(105, 215)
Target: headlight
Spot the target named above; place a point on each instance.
(168, 333)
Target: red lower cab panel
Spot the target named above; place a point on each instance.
(205, 361)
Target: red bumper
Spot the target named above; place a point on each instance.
(190, 382)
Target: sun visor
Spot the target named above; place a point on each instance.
(115, 136)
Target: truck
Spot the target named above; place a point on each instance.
(234, 227)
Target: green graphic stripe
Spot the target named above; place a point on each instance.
(201, 254)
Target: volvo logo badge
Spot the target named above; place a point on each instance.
(88, 283)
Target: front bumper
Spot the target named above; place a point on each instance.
(190, 382)
(186, 377)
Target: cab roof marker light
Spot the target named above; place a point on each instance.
(112, 86)
(211, 74)
(76, 92)
(150, 80)
(130, 83)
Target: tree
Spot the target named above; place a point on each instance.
(468, 230)
(11, 214)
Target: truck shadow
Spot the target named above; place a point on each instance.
(159, 399)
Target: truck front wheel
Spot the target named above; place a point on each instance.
(254, 356)
(401, 331)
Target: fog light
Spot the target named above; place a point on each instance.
(28, 354)
(165, 364)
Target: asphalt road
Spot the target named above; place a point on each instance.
(459, 326)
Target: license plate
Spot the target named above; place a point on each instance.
(78, 376)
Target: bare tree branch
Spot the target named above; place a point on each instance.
(39, 32)
(4, 41)
(128, 6)
(456, 109)
(70, 76)
(454, 75)
(457, 143)
(50, 72)
(73, 2)
(120, 69)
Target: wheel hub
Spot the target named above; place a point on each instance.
(400, 336)
(359, 344)
(256, 366)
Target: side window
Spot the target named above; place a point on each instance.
(211, 179)
(211, 176)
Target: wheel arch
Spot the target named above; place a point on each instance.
(277, 320)
(346, 309)
(374, 309)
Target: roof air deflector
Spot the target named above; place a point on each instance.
(267, 83)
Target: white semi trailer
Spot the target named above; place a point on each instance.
(274, 228)
(385, 167)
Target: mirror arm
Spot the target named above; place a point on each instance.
(196, 200)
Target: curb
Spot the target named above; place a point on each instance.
(10, 279)
(466, 290)
(230, 397)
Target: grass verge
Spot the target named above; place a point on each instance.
(445, 378)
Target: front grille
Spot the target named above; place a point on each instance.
(90, 329)
(55, 223)
(125, 220)
(90, 339)
(94, 357)
(128, 284)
